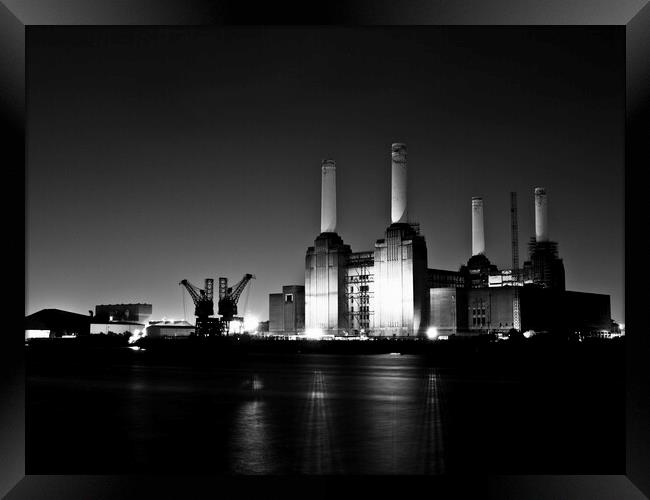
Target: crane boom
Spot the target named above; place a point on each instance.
(203, 304)
(194, 291)
(235, 292)
(228, 303)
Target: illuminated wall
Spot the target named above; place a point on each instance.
(401, 294)
(448, 309)
(325, 304)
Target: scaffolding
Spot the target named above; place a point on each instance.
(517, 278)
(359, 291)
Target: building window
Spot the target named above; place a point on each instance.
(288, 298)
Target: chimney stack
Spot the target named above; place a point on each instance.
(398, 183)
(541, 215)
(478, 235)
(328, 197)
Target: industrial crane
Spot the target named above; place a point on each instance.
(204, 304)
(203, 307)
(229, 296)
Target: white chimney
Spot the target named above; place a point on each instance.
(328, 197)
(398, 183)
(478, 234)
(541, 215)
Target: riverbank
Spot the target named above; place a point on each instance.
(463, 352)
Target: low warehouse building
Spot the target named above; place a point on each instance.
(170, 328)
(116, 328)
(51, 323)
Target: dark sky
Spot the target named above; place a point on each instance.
(161, 154)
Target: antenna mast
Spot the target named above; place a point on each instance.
(515, 233)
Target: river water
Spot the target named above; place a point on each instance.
(309, 414)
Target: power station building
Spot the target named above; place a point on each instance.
(287, 310)
(384, 290)
(389, 290)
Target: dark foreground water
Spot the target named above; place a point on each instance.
(320, 414)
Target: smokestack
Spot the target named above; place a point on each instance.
(398, 183)
(328, 197)
(541, 215)
(478, 235)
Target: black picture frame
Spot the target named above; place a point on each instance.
(633, 16)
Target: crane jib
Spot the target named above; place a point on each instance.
(204, 305)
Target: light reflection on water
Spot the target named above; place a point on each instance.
(327, 422)
(306, 415)
(430, 451)
(317, 452)
(249, 444)
(249, 451)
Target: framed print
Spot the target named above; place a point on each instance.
(270, 248)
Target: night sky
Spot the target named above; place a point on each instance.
(161, 154)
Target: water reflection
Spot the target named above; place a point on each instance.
(253, 384)
(317, 453)
(371, 416)
(250, 443)
(140, 415)
(430, 451)
(389, 437)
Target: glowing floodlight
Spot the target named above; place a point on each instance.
(250, 324)
(314, 333)
(136, 335)
(235, 327)
(432, 333)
